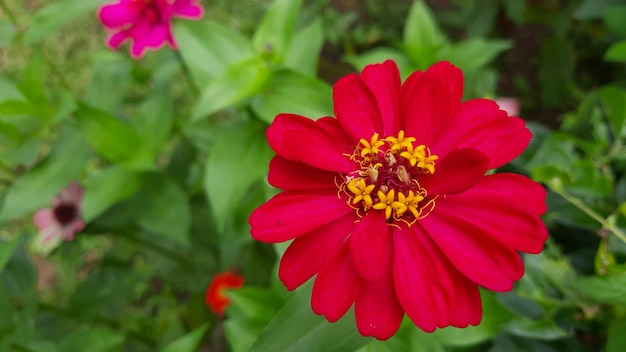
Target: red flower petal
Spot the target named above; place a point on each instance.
(456, 172)
(423, 284)
(512, 224)
(369, 243)
(336, 133)
(481, 125)
(377, 310)
(117, 15)
(506, 186)
(215, 298)
(317, 150)
(306, 254)
(454, 77)
(286, 174)
(336, 286)
(356, 108)
(293, 213)
(425, 106)
(384, 81)
(481, 259)
(281, 124)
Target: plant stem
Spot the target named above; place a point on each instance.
(592, 213)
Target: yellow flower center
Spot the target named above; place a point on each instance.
(388, 179)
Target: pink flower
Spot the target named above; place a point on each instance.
(389, 205)
(145, 22)
(63, 220)
(510, 105)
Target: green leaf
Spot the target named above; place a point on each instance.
(545, 329)
(107, 188)
(616, 338)
(19, 277)
(613, 100)
(304, 51)
(50, 18)
(189, 342)
(114, 139)
(7, 32)
(36, 187)
(422, 36)
(6, 252)
(616, 52)
(605, 289)
(614, 19)
(274, 33)
(209, 49)
(109, 80)
(165, 210)
(238, 83)
(92, 340)
(473, 54)
(291, 92)
(297, 329)
(239, 158)
(379, 55)
(32, 85)
(153, 119)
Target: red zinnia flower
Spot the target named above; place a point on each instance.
(145, 22)
(390, 206)
(63, 220)
(215, 298)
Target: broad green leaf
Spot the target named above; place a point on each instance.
(275, 32)
(473, 54)
(153, 119)
(494, 317)
(7, 321)
(9, 90)
(209, 49)
(110, 78)
(238, 83)
(545, 329)
(107, 188)
(36, 187)
(239, 158)
(32, 84)
(50, 18)
(375, 346)
(297, 329)
(422, 36)
(165, 210)
(616, 338)
(254, 302)
(93, 339)
(114, 139)
(6, 251)
(605, 289)
(189, 342)
(557, 150)
(19, 277)
(304, 51)
(7, 31)
(614, 16)
(291, 92)
(613, 100)
(616, 52)
(379, 55)
(590, 9)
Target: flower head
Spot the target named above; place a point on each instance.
(63, 220)
(215, 298)
(389, 205)
(145, 22)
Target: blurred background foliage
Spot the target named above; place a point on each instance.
(172, 154)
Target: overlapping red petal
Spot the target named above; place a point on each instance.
(431, 268)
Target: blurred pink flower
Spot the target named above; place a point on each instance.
(63, 220)
(510, 105)
(145, 22)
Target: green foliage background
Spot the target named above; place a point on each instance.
(172, 154)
